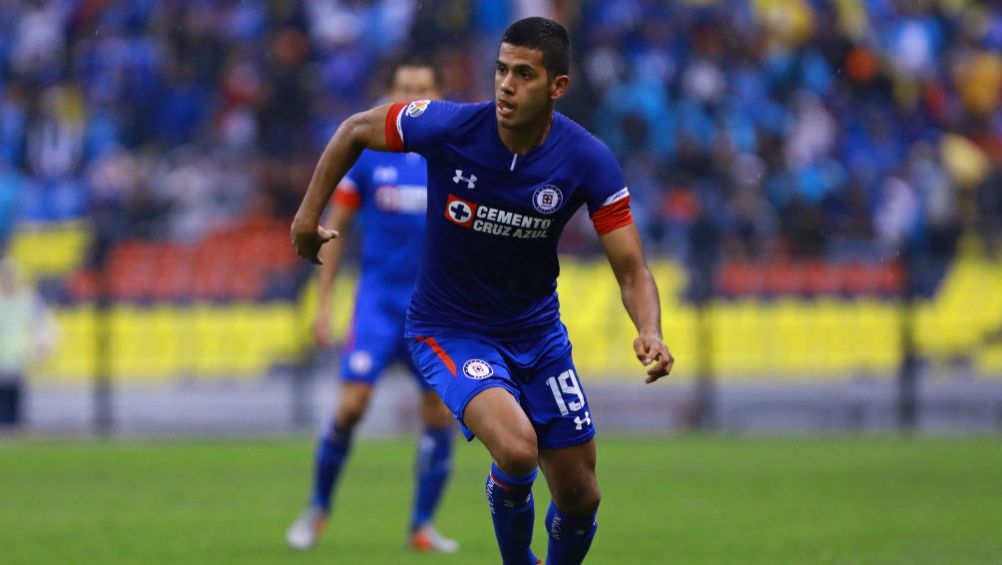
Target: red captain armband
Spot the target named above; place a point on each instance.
(347, 196)
(613, 215)
(394, 135)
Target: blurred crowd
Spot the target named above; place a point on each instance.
(798, 128)
(802, 128)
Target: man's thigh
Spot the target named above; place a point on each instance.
(459, 368)
(555, 400)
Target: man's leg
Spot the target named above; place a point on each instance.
(331, 454)
(556, 401)
(570, 521)
(497, 419)
(474, 381)
(334, 445)
(434, 464)
(10, 400)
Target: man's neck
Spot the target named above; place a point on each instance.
(522, 141)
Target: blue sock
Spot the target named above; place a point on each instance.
(434, 463)
(570, 536)
(332, 451)
(513, 512)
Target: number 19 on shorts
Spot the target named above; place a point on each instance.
(566, 383)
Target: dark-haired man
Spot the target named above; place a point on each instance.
(387, 192)
(503, 180)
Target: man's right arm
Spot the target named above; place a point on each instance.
(330, 254)
(365, 130)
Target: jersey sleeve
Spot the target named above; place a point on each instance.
(606, 194)
(346, 195)
(420, 126)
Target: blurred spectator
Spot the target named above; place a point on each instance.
(11, 193)
(808, 126)
(27, 333)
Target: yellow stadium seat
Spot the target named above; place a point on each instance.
(825, 338)
(50, 250)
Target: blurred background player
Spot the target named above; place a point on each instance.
(387, 192)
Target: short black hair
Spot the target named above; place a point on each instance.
(415, 61)
(543, 35)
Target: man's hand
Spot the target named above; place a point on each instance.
(307, 240)
(652, 349)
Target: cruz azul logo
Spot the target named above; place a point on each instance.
(547, 199)
(495, 221)
(460, 212)
(477, 369)
(417, 107)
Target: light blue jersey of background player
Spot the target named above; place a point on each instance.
(386, 194)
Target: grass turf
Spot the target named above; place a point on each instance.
(697, 501)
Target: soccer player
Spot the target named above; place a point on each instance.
(504, 177)
(387, 191)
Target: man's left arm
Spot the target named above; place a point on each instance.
(640, 297)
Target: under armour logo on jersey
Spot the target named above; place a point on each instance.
(471, 181)
(582, 421)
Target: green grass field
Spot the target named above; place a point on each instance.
(698, 501)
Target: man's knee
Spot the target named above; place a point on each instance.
(495, 417)
(348, 418)
(581, 496)
(352, 406)
(517, 453)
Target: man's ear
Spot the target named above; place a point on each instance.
(559, 86)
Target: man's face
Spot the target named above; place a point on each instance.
(522, 87)
(414, 83)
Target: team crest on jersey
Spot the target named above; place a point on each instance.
(417, 107)
(477, 369)
(547, 199)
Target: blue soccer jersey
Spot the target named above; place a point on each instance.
(387, 191)
(494, 217)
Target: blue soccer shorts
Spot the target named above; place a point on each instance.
(538, 371)
(375, 340)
